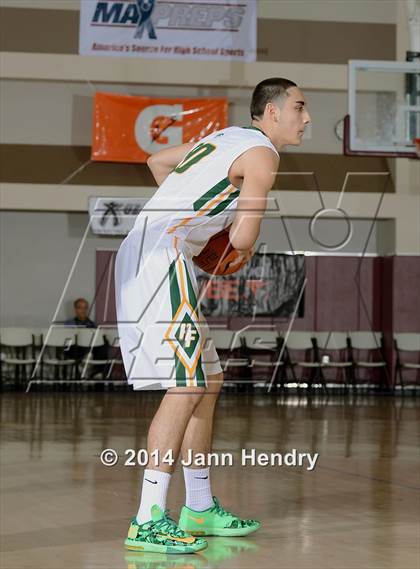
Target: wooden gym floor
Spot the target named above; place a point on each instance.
(358, 508)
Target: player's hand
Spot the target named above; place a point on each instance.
(246, 253)
(235, 260)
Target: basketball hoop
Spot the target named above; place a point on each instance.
(366, 133)
(417, 144)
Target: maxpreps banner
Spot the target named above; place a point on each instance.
(177, 29)
(129, 128)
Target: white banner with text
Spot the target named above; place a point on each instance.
(215, 29)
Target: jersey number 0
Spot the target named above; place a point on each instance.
(194, 156)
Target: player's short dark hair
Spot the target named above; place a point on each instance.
(76, 302)
(267, 91)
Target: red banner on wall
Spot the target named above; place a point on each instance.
(128, 128)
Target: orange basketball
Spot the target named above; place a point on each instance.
(219, 257)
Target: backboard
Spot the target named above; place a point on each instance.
(383, 108)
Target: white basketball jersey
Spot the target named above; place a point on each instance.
(197, 199)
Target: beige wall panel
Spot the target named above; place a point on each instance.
(50, 67)
(43, 4)
(375, 11)
(309, 41)
(56, 113)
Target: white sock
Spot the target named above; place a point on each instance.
(197, 488)
(154, 491)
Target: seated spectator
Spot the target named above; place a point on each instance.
(80, 318)
(81, 308)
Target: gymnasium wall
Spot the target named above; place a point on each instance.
(38, 249)
(46, 124)
(60, 113)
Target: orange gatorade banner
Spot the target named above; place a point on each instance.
(129, 128)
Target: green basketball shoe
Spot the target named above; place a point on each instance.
(161, 535)
(215, 521)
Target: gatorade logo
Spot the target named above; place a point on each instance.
(160, 119)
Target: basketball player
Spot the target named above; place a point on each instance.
(164, 338)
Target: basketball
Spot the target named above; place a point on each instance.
(219, 257)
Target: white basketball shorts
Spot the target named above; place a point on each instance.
(164, 339)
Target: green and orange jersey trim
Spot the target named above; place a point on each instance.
(212, 202)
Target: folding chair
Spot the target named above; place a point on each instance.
(409, 343)
(58, 363)
(115, 370)
(333, 353)
(234, 362)
(262, 349)
(366, 352)
(17, 347)
(95, 359)
(302, 353)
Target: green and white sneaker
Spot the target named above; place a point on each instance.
(215, 521)
(161, 535)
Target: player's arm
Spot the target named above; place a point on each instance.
(258, 167)
(162, 163)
